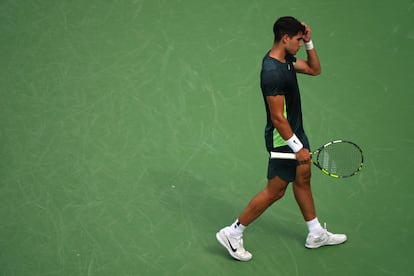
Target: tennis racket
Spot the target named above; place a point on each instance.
(338, 158)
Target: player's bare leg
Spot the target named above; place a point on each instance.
(274, 190)
(303, 193)
(231, 237)
(317, 236)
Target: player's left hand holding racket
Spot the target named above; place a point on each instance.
(338, 158)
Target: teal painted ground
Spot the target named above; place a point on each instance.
(131, 131)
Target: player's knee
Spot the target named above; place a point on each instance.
(279, 194)
(275, 194)
(303, 175)
(275, 189)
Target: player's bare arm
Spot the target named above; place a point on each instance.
(312, 65)
(276, 107)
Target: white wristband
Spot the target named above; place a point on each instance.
(309, 45)
(294, 143)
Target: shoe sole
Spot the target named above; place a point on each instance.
(325, 244)
(221, 240)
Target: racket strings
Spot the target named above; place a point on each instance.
(341, 159)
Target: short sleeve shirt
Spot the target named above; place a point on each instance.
(278, 78)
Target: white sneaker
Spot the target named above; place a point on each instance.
(326, 238)
(233, 245)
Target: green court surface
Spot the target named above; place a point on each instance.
(131, 131)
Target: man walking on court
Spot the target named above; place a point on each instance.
(284, 133)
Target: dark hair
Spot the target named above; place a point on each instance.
(287, 25)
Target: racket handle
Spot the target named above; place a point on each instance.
(282, 155)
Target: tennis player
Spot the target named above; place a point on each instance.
(284, 132)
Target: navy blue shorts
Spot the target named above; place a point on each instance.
(284, 168)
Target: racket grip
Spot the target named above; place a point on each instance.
(282, 155)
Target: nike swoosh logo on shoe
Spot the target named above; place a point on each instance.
(319, 240)
(232, 248)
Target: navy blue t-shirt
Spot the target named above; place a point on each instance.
(278, 78)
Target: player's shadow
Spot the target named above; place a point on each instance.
(196, 202)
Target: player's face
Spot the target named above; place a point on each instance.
(294, 44)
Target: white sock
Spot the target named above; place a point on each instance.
(315, 228)
(236, 229)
